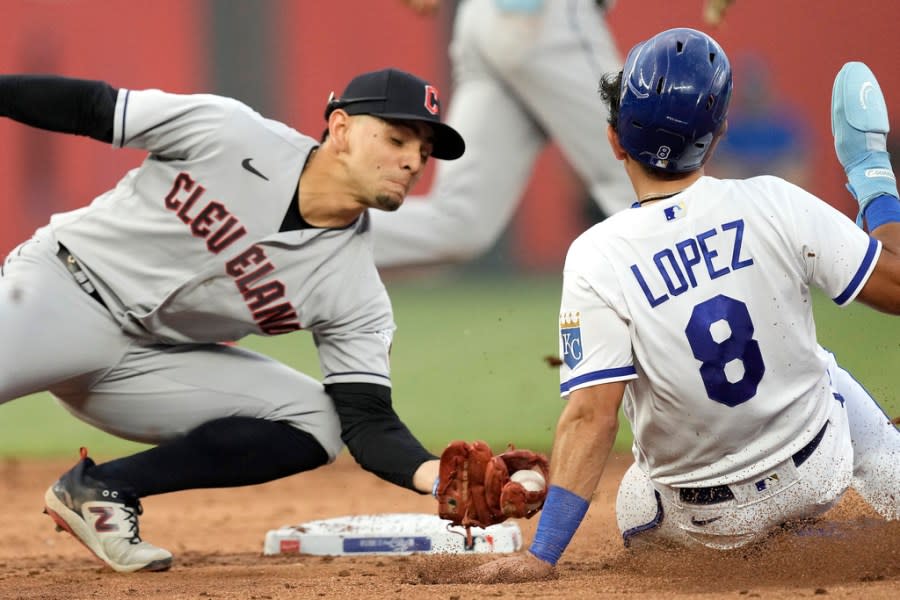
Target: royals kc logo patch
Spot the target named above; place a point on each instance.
(570, 338)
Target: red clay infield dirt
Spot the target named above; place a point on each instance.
(217, 538)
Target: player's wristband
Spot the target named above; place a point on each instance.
(883, 209)
(434, 486)
(561, 516)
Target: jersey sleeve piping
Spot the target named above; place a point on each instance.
(598, 377)
(124, 138)
(357, 377)
(121, 114)
(862, 274)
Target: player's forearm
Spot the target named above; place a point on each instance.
(584, 437)
(888, 233)
(882, 290)
(388, 449)
(426, 475)
(378, 439)
(60, 104)
(884, 284)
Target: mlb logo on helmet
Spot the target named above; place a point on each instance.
(570, 338)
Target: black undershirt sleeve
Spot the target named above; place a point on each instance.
(61, 104)
(374, 433)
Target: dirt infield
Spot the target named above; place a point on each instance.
(217, 537)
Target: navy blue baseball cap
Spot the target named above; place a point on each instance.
(398, 95)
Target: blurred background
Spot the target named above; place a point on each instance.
(283, 57)
(474, 335)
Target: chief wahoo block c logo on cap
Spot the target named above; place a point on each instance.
(397, 95)
(432, 102)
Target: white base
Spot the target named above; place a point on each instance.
(397, 533)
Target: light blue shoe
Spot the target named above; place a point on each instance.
(520, 6)
(859, 123)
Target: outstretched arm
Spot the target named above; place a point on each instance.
(378, 439)
(584, 438)
(859, 123)
(585, 434)
(60, 104)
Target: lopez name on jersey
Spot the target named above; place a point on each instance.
(713, 254)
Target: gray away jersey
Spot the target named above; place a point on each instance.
(702, 302)
(186, 247)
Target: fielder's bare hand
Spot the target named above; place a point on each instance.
(423, 7)
(715, 10)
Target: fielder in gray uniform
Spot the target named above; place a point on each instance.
(233, 225)
(692, 311)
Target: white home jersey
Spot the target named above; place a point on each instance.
(703, 302)
(186, 248)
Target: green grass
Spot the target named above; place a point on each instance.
(468, 363)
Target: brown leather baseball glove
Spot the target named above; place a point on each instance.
(474, 488)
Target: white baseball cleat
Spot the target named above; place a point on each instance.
(105, 520)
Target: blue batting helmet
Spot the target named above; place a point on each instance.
(675, 92)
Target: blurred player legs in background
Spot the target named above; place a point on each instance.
(525, 75)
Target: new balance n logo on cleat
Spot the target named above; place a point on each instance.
(104, 514)
(105, 520)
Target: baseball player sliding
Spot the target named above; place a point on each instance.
(233, 225)
(694, 309)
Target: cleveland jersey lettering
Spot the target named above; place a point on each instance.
(264, 299)
(210, 221)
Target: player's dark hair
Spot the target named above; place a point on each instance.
(611, 94)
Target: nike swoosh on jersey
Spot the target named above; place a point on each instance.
(702, 522)
(246, 164)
